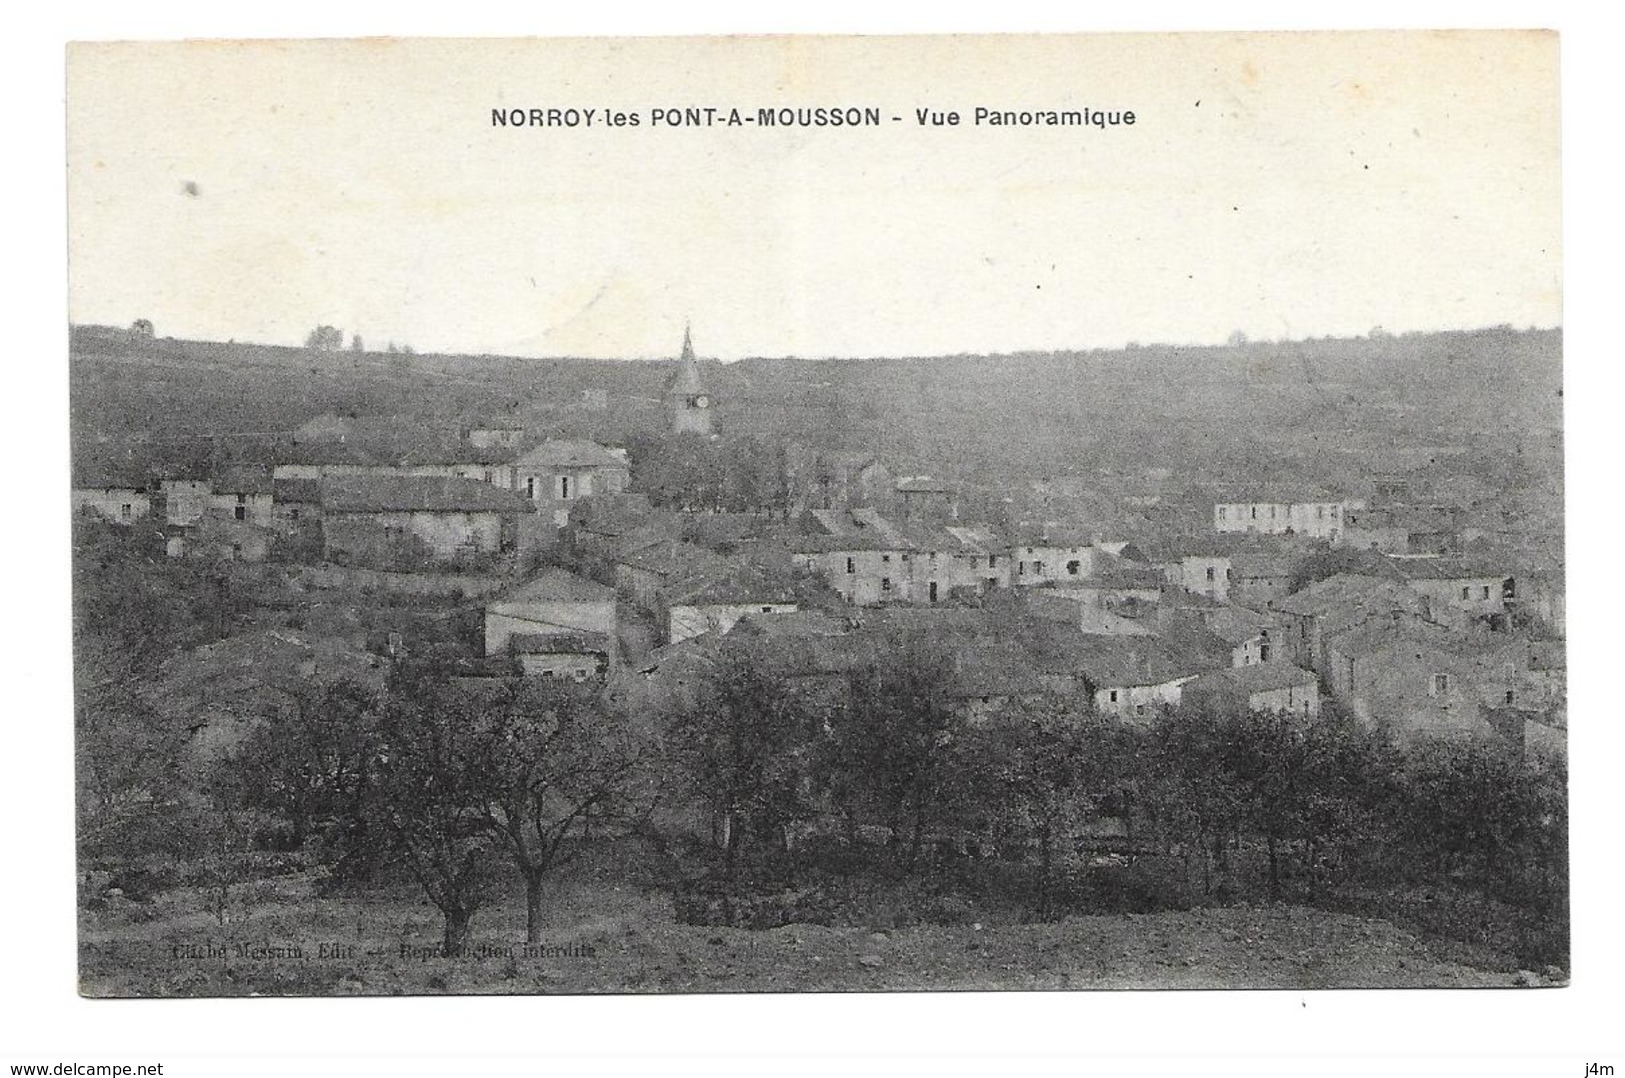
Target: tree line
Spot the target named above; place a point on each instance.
(764, 781)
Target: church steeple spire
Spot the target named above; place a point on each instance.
(686, 393)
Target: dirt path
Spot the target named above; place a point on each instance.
(1279, 947)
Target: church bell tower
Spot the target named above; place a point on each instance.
(690, 402)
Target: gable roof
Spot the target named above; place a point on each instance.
(1447, 569)
(1236, 624)
(307, 491)
(558, 585)
(1343, 590)
(416, 493)
(240, 480)
(611, 514)
(1381, 634)
(570, 453)
(1260, 677)
(451, 449)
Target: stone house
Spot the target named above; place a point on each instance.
(185, 500)
(1415, 678)
(1126, 591)
(577, 656)
(1470, 590)
(403, 521)
(1131, 677)
(927, 500)
(296, 503)
(1043, 555)
(556, 474)
(1264, 687)
(646, 578)
(1259, 576)
(215, 538)
(1308, 618)
(839, 480)
(555, 602)
(117, 494)
(717, 605)
(246, 495)
(869, 559)
(1310, 513)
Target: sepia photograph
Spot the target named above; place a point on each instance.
(818, 514)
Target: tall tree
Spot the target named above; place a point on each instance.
(1042, 768)
(896, 741)
(433, 797)
(558, 764)
(747, 748)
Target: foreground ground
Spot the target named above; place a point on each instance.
(601, 939)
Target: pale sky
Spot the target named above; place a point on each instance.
(1283, 185)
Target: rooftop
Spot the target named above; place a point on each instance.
(571, 454)
(1260, 677)
(559, 585)
(1447, 569)
(416, 493)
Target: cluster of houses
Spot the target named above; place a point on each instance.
(1410, 634)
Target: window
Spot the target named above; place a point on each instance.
(293, 514)
(1021, 568)
(124, 511)
(1509, 696)
(851, 565)
(885, 583)
(992, 561)
(1441, 684)
(1223, 513)
(975, 562)
(1320, 512)
(1072, 568)
(885, 557)
(236, 550)
(1038, 568)
(1464, 592)
(530, 487)
(905, 557)
(240, 512)
(564, 488)
(1114, 696)
(489, 475)
(1255, 512)
(767, 610)
(1486, 591)
(1212, 574)
(242, 499)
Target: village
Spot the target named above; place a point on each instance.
(1382, 599)
(731, 646)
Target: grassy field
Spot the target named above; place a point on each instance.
(599, 937)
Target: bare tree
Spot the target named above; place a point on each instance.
(557, 763)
